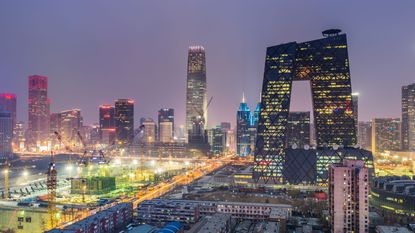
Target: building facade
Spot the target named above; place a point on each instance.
(243, 123)
(107, 124)
(8, 103)
(149, 135)
(39, 112)
(408, 117)
(6, 135)
(70, 124)
(386, 134)
(325, 63)
(364, 135)
(349, 197)
(165, 131)
(124, 121)
(298, 130)
(196, 90)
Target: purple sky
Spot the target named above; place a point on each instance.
(96, 51)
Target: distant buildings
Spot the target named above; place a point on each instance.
(166, 114)
(39, 110)
(196, 93)
(349, 197)
(6, 135)
(107, 123)
(408, 117)
(355, 99)
(217, 140)
(325, 63)
(149, 135)
(386, 134)
(298, 129)
(246, 128)
(70, 123)
(124, 121)
(165, 131)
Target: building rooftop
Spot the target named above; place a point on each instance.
(392, 229)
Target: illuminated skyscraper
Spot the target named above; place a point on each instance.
(298, 129)
(39, 110)
(165, 131)
(243, 124)
(325, 63)
(8, 104)
(349, 197)
(124, 121)
(165, 114)
(70, 123)
(107, 123)
(149, 134)
(355, 99)
(386, 134)
(364, 135)
(196, 92)
(408, 117)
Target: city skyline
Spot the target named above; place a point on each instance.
(80, 64)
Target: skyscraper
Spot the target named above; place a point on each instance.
(243, 123)
(298, 129)
(124, 121)
(6, 134)
(70, 123)
(325, 63)
(196, 91)
(408, 117)
(165, 114)
(107, 123)
(8, 104)
(364, 135)
(355, 99)
(39, 110)
(349, 197)
(386, 134)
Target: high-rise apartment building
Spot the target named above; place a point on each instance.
(386, 134)
(325, 63)
(408, 117)
(298, 130)
(6, 135)
(124, 121)
(349, 197)
(8, 104)
(364, 135)
(165, 114)
(165, 131)
(39, 110)
(196, 92)
(107, 123)
(149, 135)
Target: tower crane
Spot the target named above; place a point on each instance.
(6, 170)
(51, 182)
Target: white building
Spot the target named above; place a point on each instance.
(166, 132)
(149, 131)
(348, 197)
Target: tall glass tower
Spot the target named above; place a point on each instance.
(124, 121)
(408, 117)
(243, 123)
(196, 92)
(325, 63)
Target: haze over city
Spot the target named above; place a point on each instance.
(95, 53)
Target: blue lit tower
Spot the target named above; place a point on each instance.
(243, 123)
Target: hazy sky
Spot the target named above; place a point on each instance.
(96, 51)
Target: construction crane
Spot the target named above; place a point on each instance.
(6, 171)
(51, 182)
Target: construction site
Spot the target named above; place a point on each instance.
(42, 192)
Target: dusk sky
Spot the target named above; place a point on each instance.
(96, 51)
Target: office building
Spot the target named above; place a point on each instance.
(325, 63)
(349, 197)
(124, 121)
(166, 131)
(243, 124)
(225, 126)
(39, 110)
(196, 91)
(166, 114)
(70, 123)
(107, 123)
(8, 104)
(408, 117)
(298, 130)
(218, 142)
(19, 138)
(355, 99)
(386, 134)
(149, 135)
(6, 135)
(364, 135)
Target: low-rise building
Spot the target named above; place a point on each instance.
(392, 229)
